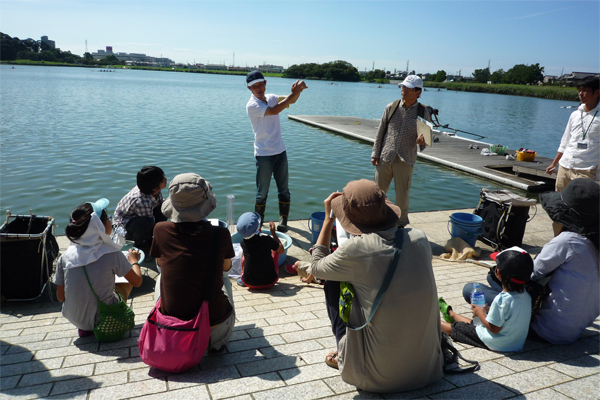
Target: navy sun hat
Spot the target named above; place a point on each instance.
(514, 263)
(248, 224)
(254, 77)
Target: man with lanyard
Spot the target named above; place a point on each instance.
(579, 149)
(395, 148)
(269, 150)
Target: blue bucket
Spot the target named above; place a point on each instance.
(466, 226)
(315, 223)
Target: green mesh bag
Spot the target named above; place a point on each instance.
(115, 319)
(346, 297)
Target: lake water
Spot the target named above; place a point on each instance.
(70, 135)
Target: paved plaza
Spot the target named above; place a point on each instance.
(278, 348)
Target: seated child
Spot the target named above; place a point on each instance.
(260, 261)
(506, 325)
(139, 210)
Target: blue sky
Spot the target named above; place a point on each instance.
(449, 35)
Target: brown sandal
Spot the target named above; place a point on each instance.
(332, 359)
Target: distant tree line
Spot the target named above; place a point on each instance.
(335, 71)
(35, 50)
(520, 74)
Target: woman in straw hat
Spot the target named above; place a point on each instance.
(182, 248)
(400, 348)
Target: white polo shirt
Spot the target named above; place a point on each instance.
(581, 152)
(267, 129)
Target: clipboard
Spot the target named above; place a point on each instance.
(426, 128)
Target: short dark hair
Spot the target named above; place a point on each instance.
(80, 220)
(148, 178)
(592, 82)
(511, 286)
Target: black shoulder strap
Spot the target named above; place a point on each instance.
(421, 110)
(213, 266)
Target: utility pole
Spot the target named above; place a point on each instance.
(86, 50)
(234, 59)
(489, 70)
(407, 66)
(373, 66)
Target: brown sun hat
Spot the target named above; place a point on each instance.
(364, 208)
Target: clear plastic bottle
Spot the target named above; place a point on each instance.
(118, 236)
(231, 213)
(477, 299)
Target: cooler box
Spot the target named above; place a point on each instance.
(504, 215)
(27, 253)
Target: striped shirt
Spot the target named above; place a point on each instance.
(135, 204)
(399, 137)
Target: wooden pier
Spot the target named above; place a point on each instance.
(451, 151)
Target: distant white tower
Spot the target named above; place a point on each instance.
(86, 50)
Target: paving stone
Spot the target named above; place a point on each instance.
(314, 323)
(204, 376)
(314, 357)
(328, 342)
(338, 385)
(259, 315)
(55, 375)
(39, 345)
(487, 371)
(311, 301)
(304, 391)
(485, 390)
(291, 349)
(27, 324)
(9, 382)
(241, 386)
(530, 380)
(127, 390)
(11, 333)
(300, 336)
(28, 392)
(76, 385)
(253, 302)
(356, 395)
(19, 340)
(256, 343)
(544, 394)
(119, 364)
(273, 330)
(31, 366)
(579, 367)
(128, 342)
(223, 360)
(15, 358)
(581, 389)
(283, 305)
(89, 358)
(436, 387)
(239, 335)
(308, 373)
(66, 351)
(71, 396)
(291, 318)
(269, 365)
(190, 393)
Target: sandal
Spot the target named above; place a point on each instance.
(444, 308)
(332, 359)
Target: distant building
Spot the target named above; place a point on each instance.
(278, 69)
(50, 43)
(244, 69)
(574, 77)
(216, 67)
(138, 59)
(550, 78)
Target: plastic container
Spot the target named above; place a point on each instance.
(500, 150)
(231, 213)
(315, 224)
(466, 226)
(286, 241)
(523, 156)
(477, 299)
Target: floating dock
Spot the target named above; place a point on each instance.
(451, 151)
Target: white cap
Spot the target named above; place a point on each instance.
(411, 82)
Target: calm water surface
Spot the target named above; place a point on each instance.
(70, 135)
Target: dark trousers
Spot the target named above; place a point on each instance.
(332, 300)
(141, 229)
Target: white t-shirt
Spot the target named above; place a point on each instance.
(267, 130)
(579, 152)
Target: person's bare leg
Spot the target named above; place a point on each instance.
(447, 327)
(458, 317)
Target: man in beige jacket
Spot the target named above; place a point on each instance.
(399, 349)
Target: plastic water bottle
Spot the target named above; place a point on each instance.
(477, 299)
(231, 213)
(118, 236)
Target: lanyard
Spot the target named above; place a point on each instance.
(585, 131)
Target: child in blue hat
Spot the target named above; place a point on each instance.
(260, 262)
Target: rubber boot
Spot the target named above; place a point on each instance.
(261, 211)
(284, 211)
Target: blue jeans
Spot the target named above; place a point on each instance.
(276, 166)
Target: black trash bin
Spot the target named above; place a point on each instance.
(28, 249)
